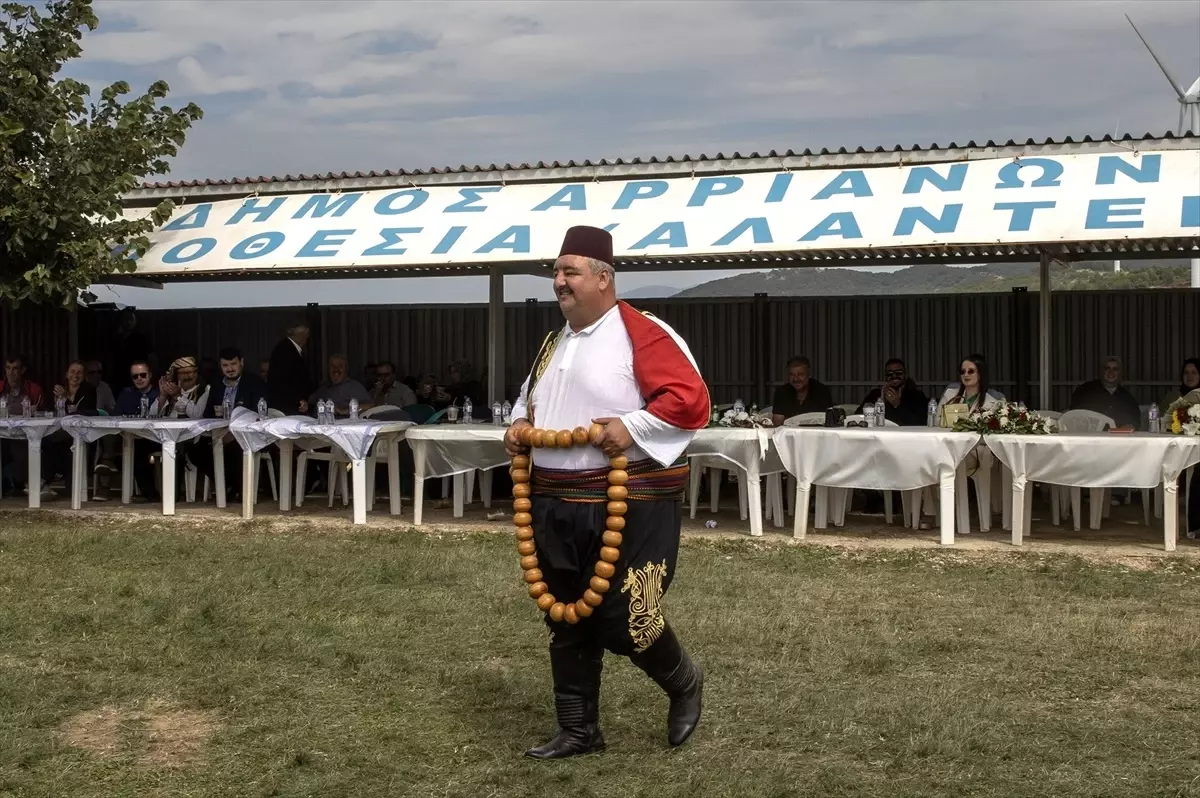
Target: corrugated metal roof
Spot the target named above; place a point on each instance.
(653, 166)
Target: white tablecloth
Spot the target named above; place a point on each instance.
(169, 432)
(751, 451)
(1096, 460)
(455, 450)
(353, 438)
(449, 449)
(31, 430)
(887, 458)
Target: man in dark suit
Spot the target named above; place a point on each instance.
(288, 382)
(237, 388)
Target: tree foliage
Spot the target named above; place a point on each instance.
(66, 161)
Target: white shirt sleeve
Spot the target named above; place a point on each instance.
(662, 441)
(521, 406)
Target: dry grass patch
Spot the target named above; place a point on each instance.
(160, 734)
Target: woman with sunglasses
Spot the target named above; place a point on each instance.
(972, 388)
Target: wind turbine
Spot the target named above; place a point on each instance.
(1189, 115)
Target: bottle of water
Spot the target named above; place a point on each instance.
(3, 406)
(468, 409)
(262, 408)
(506, 412)
(1155, 425)
(26, 408)
(144, 406)
(60, 407)
(353, 409)
(322, 412)
(880, 412)
(931, 414)
(227, 408)
(739, 406)
(497, 414)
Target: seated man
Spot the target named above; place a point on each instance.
(129, 403)
(238, 388)
(903, 402)
(340, 388)
(1108, 397)
(800, 394)
(15, 388)
(387, 391)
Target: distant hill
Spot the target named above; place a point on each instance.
(651, 292)
(937, 279)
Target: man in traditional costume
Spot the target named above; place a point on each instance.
(633, 375)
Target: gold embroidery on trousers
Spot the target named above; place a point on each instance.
(645, 589)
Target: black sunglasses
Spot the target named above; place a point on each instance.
(890, 374)
(141, 375)
(967, 372)
(856, 423)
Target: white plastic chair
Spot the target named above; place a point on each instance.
(336, 476)
(806, 420)
(1100, 499)
(191, 474)
(378, 455)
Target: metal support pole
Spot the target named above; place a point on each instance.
(1044, 386)
(73, 334)
(497, 386)
(1195, 272)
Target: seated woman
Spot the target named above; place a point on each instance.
(80, 398)
(1189, 385)
(972, 388)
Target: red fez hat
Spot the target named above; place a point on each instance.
(588, 242)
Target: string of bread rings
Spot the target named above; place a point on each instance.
(523, 521)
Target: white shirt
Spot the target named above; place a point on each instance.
(590, 376)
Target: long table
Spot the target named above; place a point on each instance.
(32, 431)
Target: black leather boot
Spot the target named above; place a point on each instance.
(578, 730)
(576, 664)
(673, 670)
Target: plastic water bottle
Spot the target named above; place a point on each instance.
(506, 412)
(880, 412)
(353, 409)
(739, 406)
(262, 408)
(144, 406)
(931, 414)
(26, 408)
(497, 414)
(60, 407)
(323, 412)
(467, 413)
(1155, 425)
(3, 406)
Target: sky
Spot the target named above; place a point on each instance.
(314, 87)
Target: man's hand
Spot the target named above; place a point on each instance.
(615, 438)
(891, 396)
(303, 405)
(512, 442)
(60, 392)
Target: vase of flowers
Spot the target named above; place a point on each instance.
(1182, 418)
(744, 419)
(1005, 418)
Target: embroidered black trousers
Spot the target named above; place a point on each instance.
(568, 538)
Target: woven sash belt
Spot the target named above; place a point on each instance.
(648, 481)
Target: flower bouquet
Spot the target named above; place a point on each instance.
(1182, 418)
(744, 419)
(1005, 418)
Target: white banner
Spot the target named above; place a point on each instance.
(1041, 199)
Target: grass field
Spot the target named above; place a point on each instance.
(154, 659)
